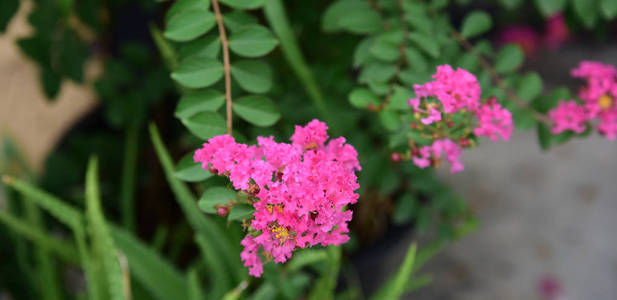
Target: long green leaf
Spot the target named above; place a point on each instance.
(204, 226)
(277, 18)
(148, 267)
(129, 170)
(220, 278)
(102, 241)
(395, 287)
(326, 284)
(62, 249)
(195, 291)
(63, 212)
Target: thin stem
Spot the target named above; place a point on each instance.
(129, 170)
(487, 66)
(226, 65)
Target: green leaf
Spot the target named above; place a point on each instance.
(8, 8)
(244, 4)
(240, 212)
(216, 196)
(166, 49)
(530, 86)
(237, 19)
(523, 119)
(394, 288)
(405, 209)
(550, 7)
(190, 171)
(399, 98)
(362, 97)
(544, 104)
(198, 72)
(148, 267)
(60, 210)
(354, 16)
(608, 8)
(102, 241)
(511, 4)
(377, 72)
(385, 49)
(199, 101)
(476, 23)
(277, 18)
(66, 251)
(509, 58)
(195, 292)
(205, 125)
(257, 110)
(253, 76)
(326, 283)
(51, 82)
(587, 11)
(221, 282)
(389, 119)
(252, 41)
(184, 5)
(187, 24)
(207, 46)
(306, 257)
(206, 229)
(425, 43)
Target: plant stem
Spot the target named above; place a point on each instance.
(487, 66)
(226, 66)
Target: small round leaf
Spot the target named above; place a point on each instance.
(189, 170)
(216, 196)
(205, 124)
(195, 102)
(257, 110)
(252, 41)
(198, 72)
(254, 76)
(476, 23)
(189, 24)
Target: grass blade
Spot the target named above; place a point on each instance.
(62, 249)
(326, 284)
(395, 287)
(101, 238)
(206, 227)
(129, 170)
(149, 268)
(277, 18)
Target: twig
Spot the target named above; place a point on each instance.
(487, 66)
(227, 69)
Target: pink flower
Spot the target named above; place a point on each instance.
(601, 86)
(303, 188)
(608, 123)
(313, 135)
(556, 31)
(446, 147)
(494, 121)
(455, 89)
(434, 115)
(568, 115)
(523, 36)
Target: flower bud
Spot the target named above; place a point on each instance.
(395, 157)
(222, 211)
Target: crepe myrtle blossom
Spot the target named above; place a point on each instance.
(556, 31)
(454, 92)
(431, 155)
(299, 191)
(568, 115)
(598, 101)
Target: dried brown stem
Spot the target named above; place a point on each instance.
(487, 66)
(226, 65)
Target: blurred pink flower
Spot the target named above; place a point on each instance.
(524, 36)
(556, 31)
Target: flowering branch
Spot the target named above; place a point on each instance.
(226, 65)
(487, 66)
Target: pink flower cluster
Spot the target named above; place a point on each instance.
(301, 189)
(433, 153)
(451, 92)
(598, 97)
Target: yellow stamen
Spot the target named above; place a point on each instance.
(605, 101)
(281, 233)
